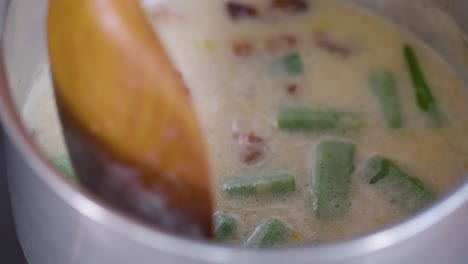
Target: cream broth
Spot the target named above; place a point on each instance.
(228, 60)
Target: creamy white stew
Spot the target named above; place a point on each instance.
(323, 120)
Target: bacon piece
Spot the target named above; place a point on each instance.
(252, 155)
(251, 138)
(291, 89)
(291, 6)
(280, 43)
(325, 42)
(238, 11)
(251, 147)
(242, 49)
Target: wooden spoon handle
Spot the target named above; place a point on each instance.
(126, 114)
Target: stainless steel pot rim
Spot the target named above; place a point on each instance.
(128, 227)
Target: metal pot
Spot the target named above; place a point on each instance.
(61, 223)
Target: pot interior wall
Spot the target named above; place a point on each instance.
(24, 46)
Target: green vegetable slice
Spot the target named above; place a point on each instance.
(333, 167)
(292, 63)
(424, 97)
(262, 183)
(384, 87)
(225, 226)
(406, 192)
(302, 119)
(271, 233)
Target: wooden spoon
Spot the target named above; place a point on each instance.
(126, 114)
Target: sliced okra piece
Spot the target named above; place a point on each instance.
(384, 87)
(225, 226)
(291, 63)
(424, 98)
(302, 119)
(333, 167)
(261, 183)
(406, 192)
(270, 233)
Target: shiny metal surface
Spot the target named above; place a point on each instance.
(59, 223)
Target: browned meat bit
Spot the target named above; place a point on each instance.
(280, 43)
(238, 10)
(291, 89)
(252, 155)
(251, 138)
(325, 42)
(242, 49)
(291, 6)
(251, 147)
